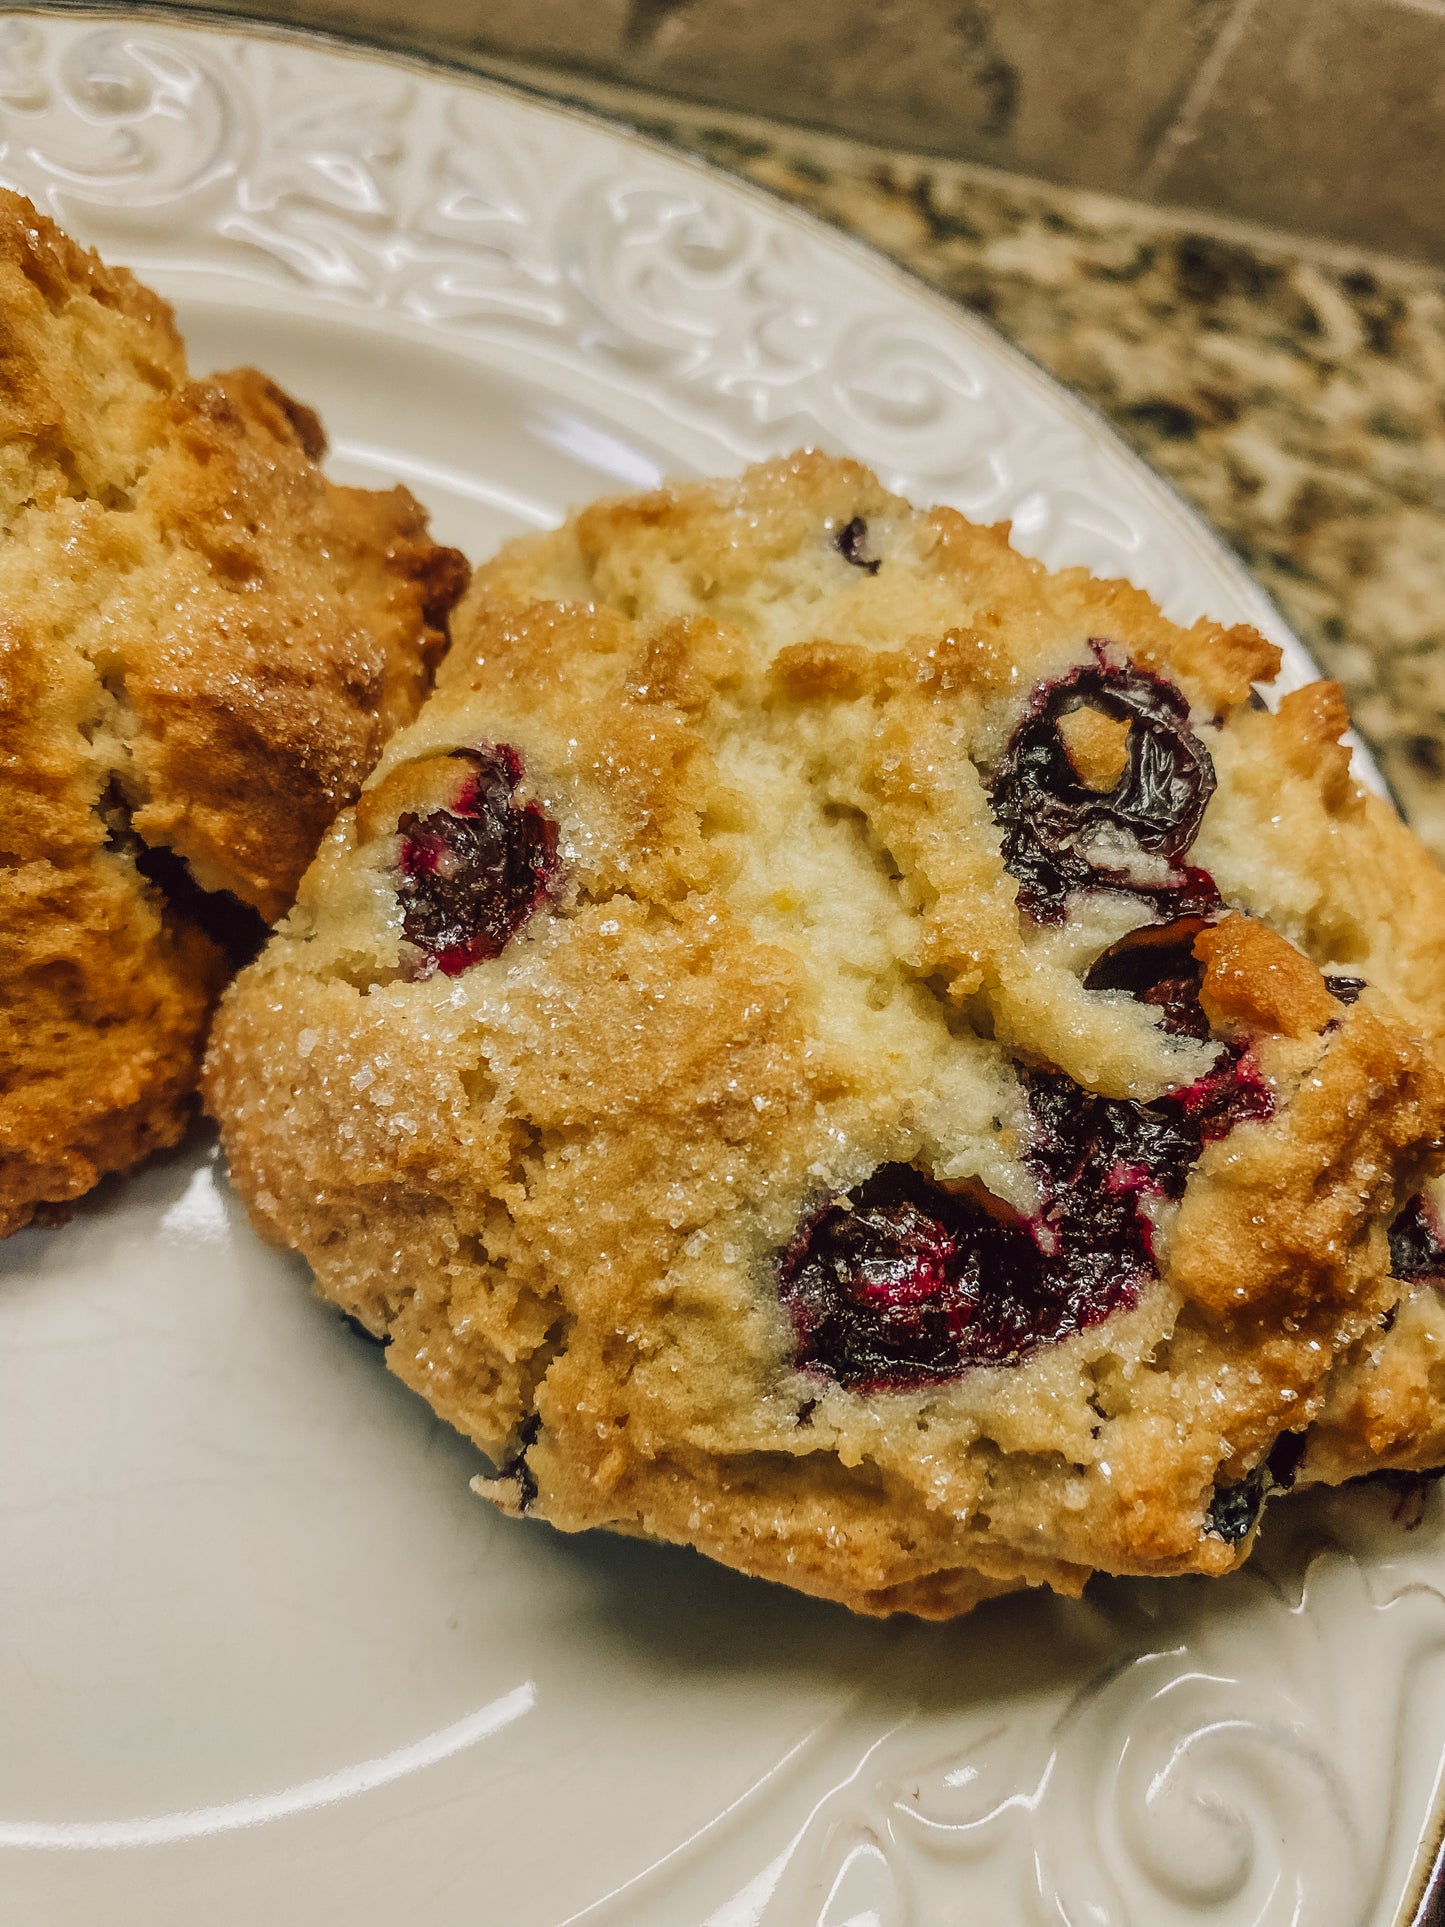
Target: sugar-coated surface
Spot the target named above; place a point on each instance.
(783, 954)
(205, 644)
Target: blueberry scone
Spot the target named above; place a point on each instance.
(830, 1043)
(203, 645)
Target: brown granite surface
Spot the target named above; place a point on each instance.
(1296, 398)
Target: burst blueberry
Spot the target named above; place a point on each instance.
(473, 874)
(1060, 834)
(1417, 1246)
(1157, 965)
(906, 1282)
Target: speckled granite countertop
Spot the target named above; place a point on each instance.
(1295, 397)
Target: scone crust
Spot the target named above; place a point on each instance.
(1384, 1406)
(204, 644)
(558, 1183)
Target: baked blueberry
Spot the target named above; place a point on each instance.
(1156, 963)
(472, 873)
(851, 542)
(905, 1281)
(1417, 1246)
(1068, 826)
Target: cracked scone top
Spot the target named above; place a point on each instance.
(203, 645)
(818, 1044)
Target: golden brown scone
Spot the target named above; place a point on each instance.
(203, 645)
(796, 1055)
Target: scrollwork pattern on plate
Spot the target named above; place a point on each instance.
(130, 120)
(1183, 1752)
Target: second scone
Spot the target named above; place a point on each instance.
(819, 1044)
(204, 643)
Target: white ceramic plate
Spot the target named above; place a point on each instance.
(262, 1657)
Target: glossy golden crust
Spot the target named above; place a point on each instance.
(203, 645)
(293, 625)
(786, 951)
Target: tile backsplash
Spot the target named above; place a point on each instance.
(1325, 117)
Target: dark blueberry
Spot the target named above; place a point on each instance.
(1060, 835)
(906, 1282)
(515, 1467)
(1286, 1457)
(362, 1331)
(473, 874)
(1111, 1145)
(1235, 1508)
(1158, 966)
(1417, 1247)
(1346, 989)
(1097, 1156)
(1231, 1092)
(850, 542)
